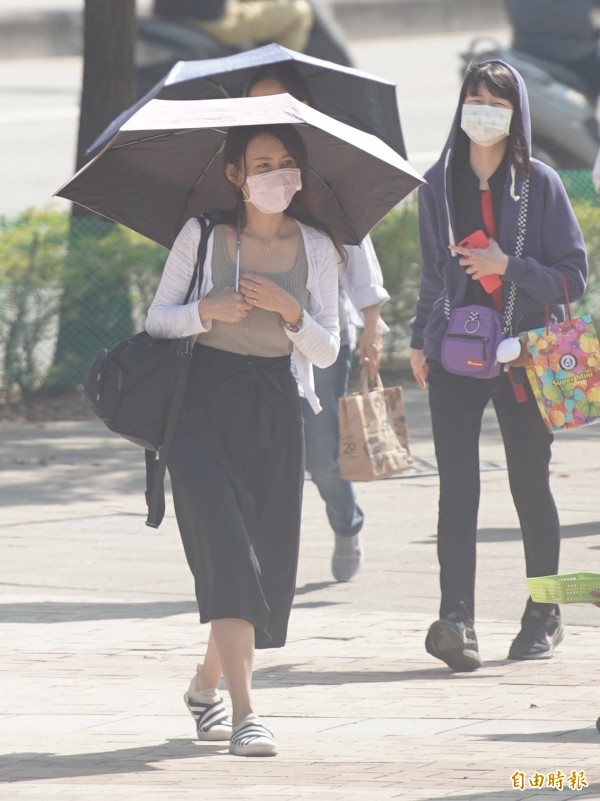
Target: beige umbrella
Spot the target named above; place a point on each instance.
(164, 166)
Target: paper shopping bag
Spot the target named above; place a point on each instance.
(373, 433)
(564, 372)
(396, 413)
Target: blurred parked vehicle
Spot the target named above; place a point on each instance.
(564, 126)
(162, 42)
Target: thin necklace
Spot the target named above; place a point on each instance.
(267, 242)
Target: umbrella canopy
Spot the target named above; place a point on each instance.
(164, 166)
(356, 98)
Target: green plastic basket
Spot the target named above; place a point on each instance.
(570, 588)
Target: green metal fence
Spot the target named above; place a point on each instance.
(69, 287)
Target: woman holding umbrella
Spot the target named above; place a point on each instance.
(237, 464)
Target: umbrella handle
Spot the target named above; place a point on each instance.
(237, 255)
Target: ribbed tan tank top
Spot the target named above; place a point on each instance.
(261, 332)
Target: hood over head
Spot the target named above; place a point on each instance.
(523, 107)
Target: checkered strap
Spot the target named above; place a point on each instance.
(509, 308)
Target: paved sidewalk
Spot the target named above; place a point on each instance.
(100, 638)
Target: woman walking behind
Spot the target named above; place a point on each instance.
(361, 294)
(237, 464)
(480, 182)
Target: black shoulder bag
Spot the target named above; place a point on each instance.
(137, 388)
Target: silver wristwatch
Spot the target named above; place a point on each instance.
(294, 328)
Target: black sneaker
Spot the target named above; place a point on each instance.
(454, 642)
(540, 633)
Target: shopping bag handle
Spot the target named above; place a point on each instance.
(567, 303)
(368, 384)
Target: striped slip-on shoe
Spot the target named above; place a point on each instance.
(208, 710)
(252, 738)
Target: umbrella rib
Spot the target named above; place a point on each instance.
(335, 197)
(215, 155)
(218, 86)
(148, 139)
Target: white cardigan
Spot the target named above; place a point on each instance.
(317, 342)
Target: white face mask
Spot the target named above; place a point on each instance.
(272, 192)
(485, 125)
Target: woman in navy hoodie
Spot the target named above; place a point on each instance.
(477, 183)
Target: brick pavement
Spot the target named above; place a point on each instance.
(100, 638)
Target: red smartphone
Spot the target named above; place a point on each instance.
(478, 239)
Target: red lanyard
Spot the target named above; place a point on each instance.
(488, 220)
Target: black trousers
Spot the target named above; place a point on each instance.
(237, 473)
(457, 404)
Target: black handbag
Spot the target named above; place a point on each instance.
(137, 388)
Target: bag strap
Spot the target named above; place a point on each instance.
(509, 308)
(156, 461)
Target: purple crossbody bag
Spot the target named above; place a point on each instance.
(471, 340)
(473, 333)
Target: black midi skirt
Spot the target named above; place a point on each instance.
(237, 472)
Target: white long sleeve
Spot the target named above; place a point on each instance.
(167, 317)
(317, 342)
(362, 279)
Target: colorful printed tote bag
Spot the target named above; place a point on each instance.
(564, 372)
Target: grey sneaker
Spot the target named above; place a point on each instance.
(453, 641)
(347, 557)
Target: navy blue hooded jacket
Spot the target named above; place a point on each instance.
(553, 247)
